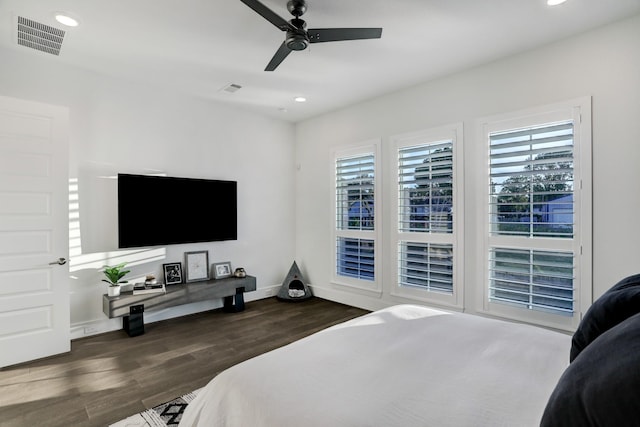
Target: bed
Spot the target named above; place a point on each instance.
(406, 365)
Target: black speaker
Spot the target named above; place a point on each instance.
(133, 324)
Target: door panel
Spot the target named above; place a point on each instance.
(34, 289)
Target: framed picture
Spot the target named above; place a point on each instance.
(172, 273)
(196, 265)
(221, 270)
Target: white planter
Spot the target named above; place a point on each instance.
(113, 291)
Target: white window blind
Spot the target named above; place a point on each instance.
(426, 266)
(355, 216)
(426, 188)
(532, 279)
(425, 167)
(355, 258)
(532, 181)
(532, 204)
(355, 192)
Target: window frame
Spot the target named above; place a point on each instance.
(371, 287)
(455, 300)
(578, 110)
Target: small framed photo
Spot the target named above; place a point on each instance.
(172, 273)
(221, 270)
(196, 265)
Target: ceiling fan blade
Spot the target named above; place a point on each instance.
(269, 15)
(320, 35)
(279, 56)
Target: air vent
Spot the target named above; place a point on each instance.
(39, 36)
(231, 87)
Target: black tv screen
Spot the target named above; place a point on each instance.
(160, 210)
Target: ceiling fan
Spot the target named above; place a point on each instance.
(298, 37)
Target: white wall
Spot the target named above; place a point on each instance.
(603, 64)
(119, 126)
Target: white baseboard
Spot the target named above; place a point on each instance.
(355, 300)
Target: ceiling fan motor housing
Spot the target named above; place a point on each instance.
(297, 40)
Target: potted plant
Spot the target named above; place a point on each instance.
(114, 275)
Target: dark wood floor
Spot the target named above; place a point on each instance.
(111, 376)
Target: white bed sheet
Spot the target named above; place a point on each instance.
(402, 366)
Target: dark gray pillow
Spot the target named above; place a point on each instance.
(600, 387)
(614, 306)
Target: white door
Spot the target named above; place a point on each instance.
(34, 231)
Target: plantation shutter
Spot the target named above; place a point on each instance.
(532, 200)
(425, 198)
(355, 216)
(532, 182)
(355, 193)
(426, 188)
(532, 279)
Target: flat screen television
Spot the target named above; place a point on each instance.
(160, 210)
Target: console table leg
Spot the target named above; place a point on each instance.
(239, 302)
(228, 304)
(234, 303)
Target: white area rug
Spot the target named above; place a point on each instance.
(165, 415)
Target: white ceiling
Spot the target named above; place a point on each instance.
(201, 46)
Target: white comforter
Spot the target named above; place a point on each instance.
(402, 366)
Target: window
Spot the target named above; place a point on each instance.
(427, 184)
(537, 212)
(532, 181)
(356, 217)
(532, 279)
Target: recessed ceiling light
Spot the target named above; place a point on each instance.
(66, 19)
(555, 2)
(300, 99)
